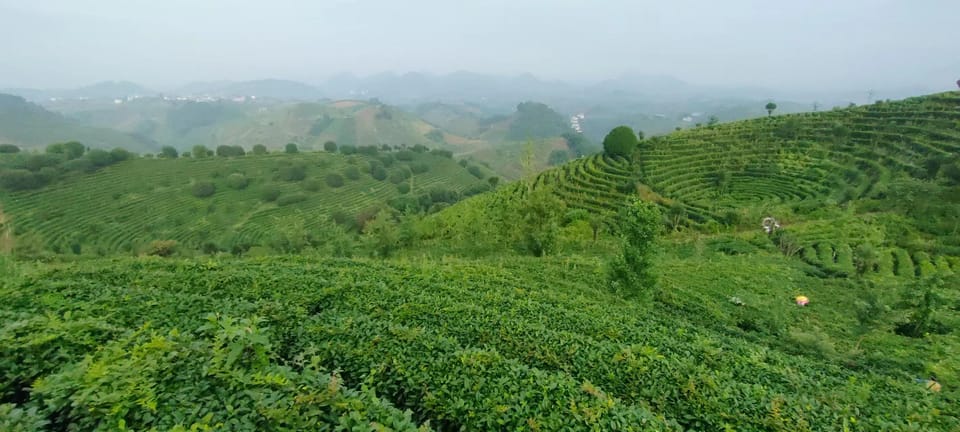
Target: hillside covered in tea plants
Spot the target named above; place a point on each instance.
(635, 289)
(228, 203)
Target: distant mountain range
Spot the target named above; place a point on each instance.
(502, 92)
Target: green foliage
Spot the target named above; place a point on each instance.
(621, 141)
(334, 180)
(230, 364)
(632, 271)
(475, 171)
(536, 120)
(293, 198)
(237, 181)
(534, 224)
(270, 193)
(558, 157)
(169, 152)
(203, 189)
(330, 147)
(229, 151)
(161, 248)
(9, 148)
(260, 149)
(382, 234)
(291, 148)
(352, 172)
(292, 172)
(770, 107)
(201, 151)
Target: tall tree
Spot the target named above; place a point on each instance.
(770, 107)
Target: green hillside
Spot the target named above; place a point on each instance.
(30, 126)
(124, 207)
(868, 160)
(635, 292)
(183, 124)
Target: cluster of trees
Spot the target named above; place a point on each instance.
(23, 171)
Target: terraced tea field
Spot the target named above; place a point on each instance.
(123, 207)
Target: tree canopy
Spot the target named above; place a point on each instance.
(621, 141)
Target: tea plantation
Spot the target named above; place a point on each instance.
(504, 310)
(220, 203)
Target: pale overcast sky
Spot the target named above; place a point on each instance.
(776, 43)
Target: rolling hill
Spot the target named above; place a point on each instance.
(250, 200)
(864, 165)
(30, 126)
(462, 331)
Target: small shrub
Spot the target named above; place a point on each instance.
(330, 146)
(162, 248)
(352, 173)
(419, 168)
(403, 188)
(203, 189)
(312, 185)
(291, 148)
(405, 155)
(292, 172)
(259, 149)
(334, 180)
(270, 193)
(291, 199)
(475, 171)
(9, 148)
(237, 181)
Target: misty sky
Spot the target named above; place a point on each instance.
(802, 44)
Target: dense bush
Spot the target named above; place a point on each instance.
(270, 193)
(334, 180)
(475, 171)
(260, 149)
(400, 174)
(330, 146)
(405, 155)
(203, 189)
(237, 181)
(352, 172)
(163, 248)
(291, 148)
(621, 141)
(9, 148)
(442, 153)
(348, 149)
(403, 188)
(227, 150)
(169, 152)
(419, 167)
(292, 172)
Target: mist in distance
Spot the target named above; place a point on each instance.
(814, 45)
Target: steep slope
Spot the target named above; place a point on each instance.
(30, 126)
